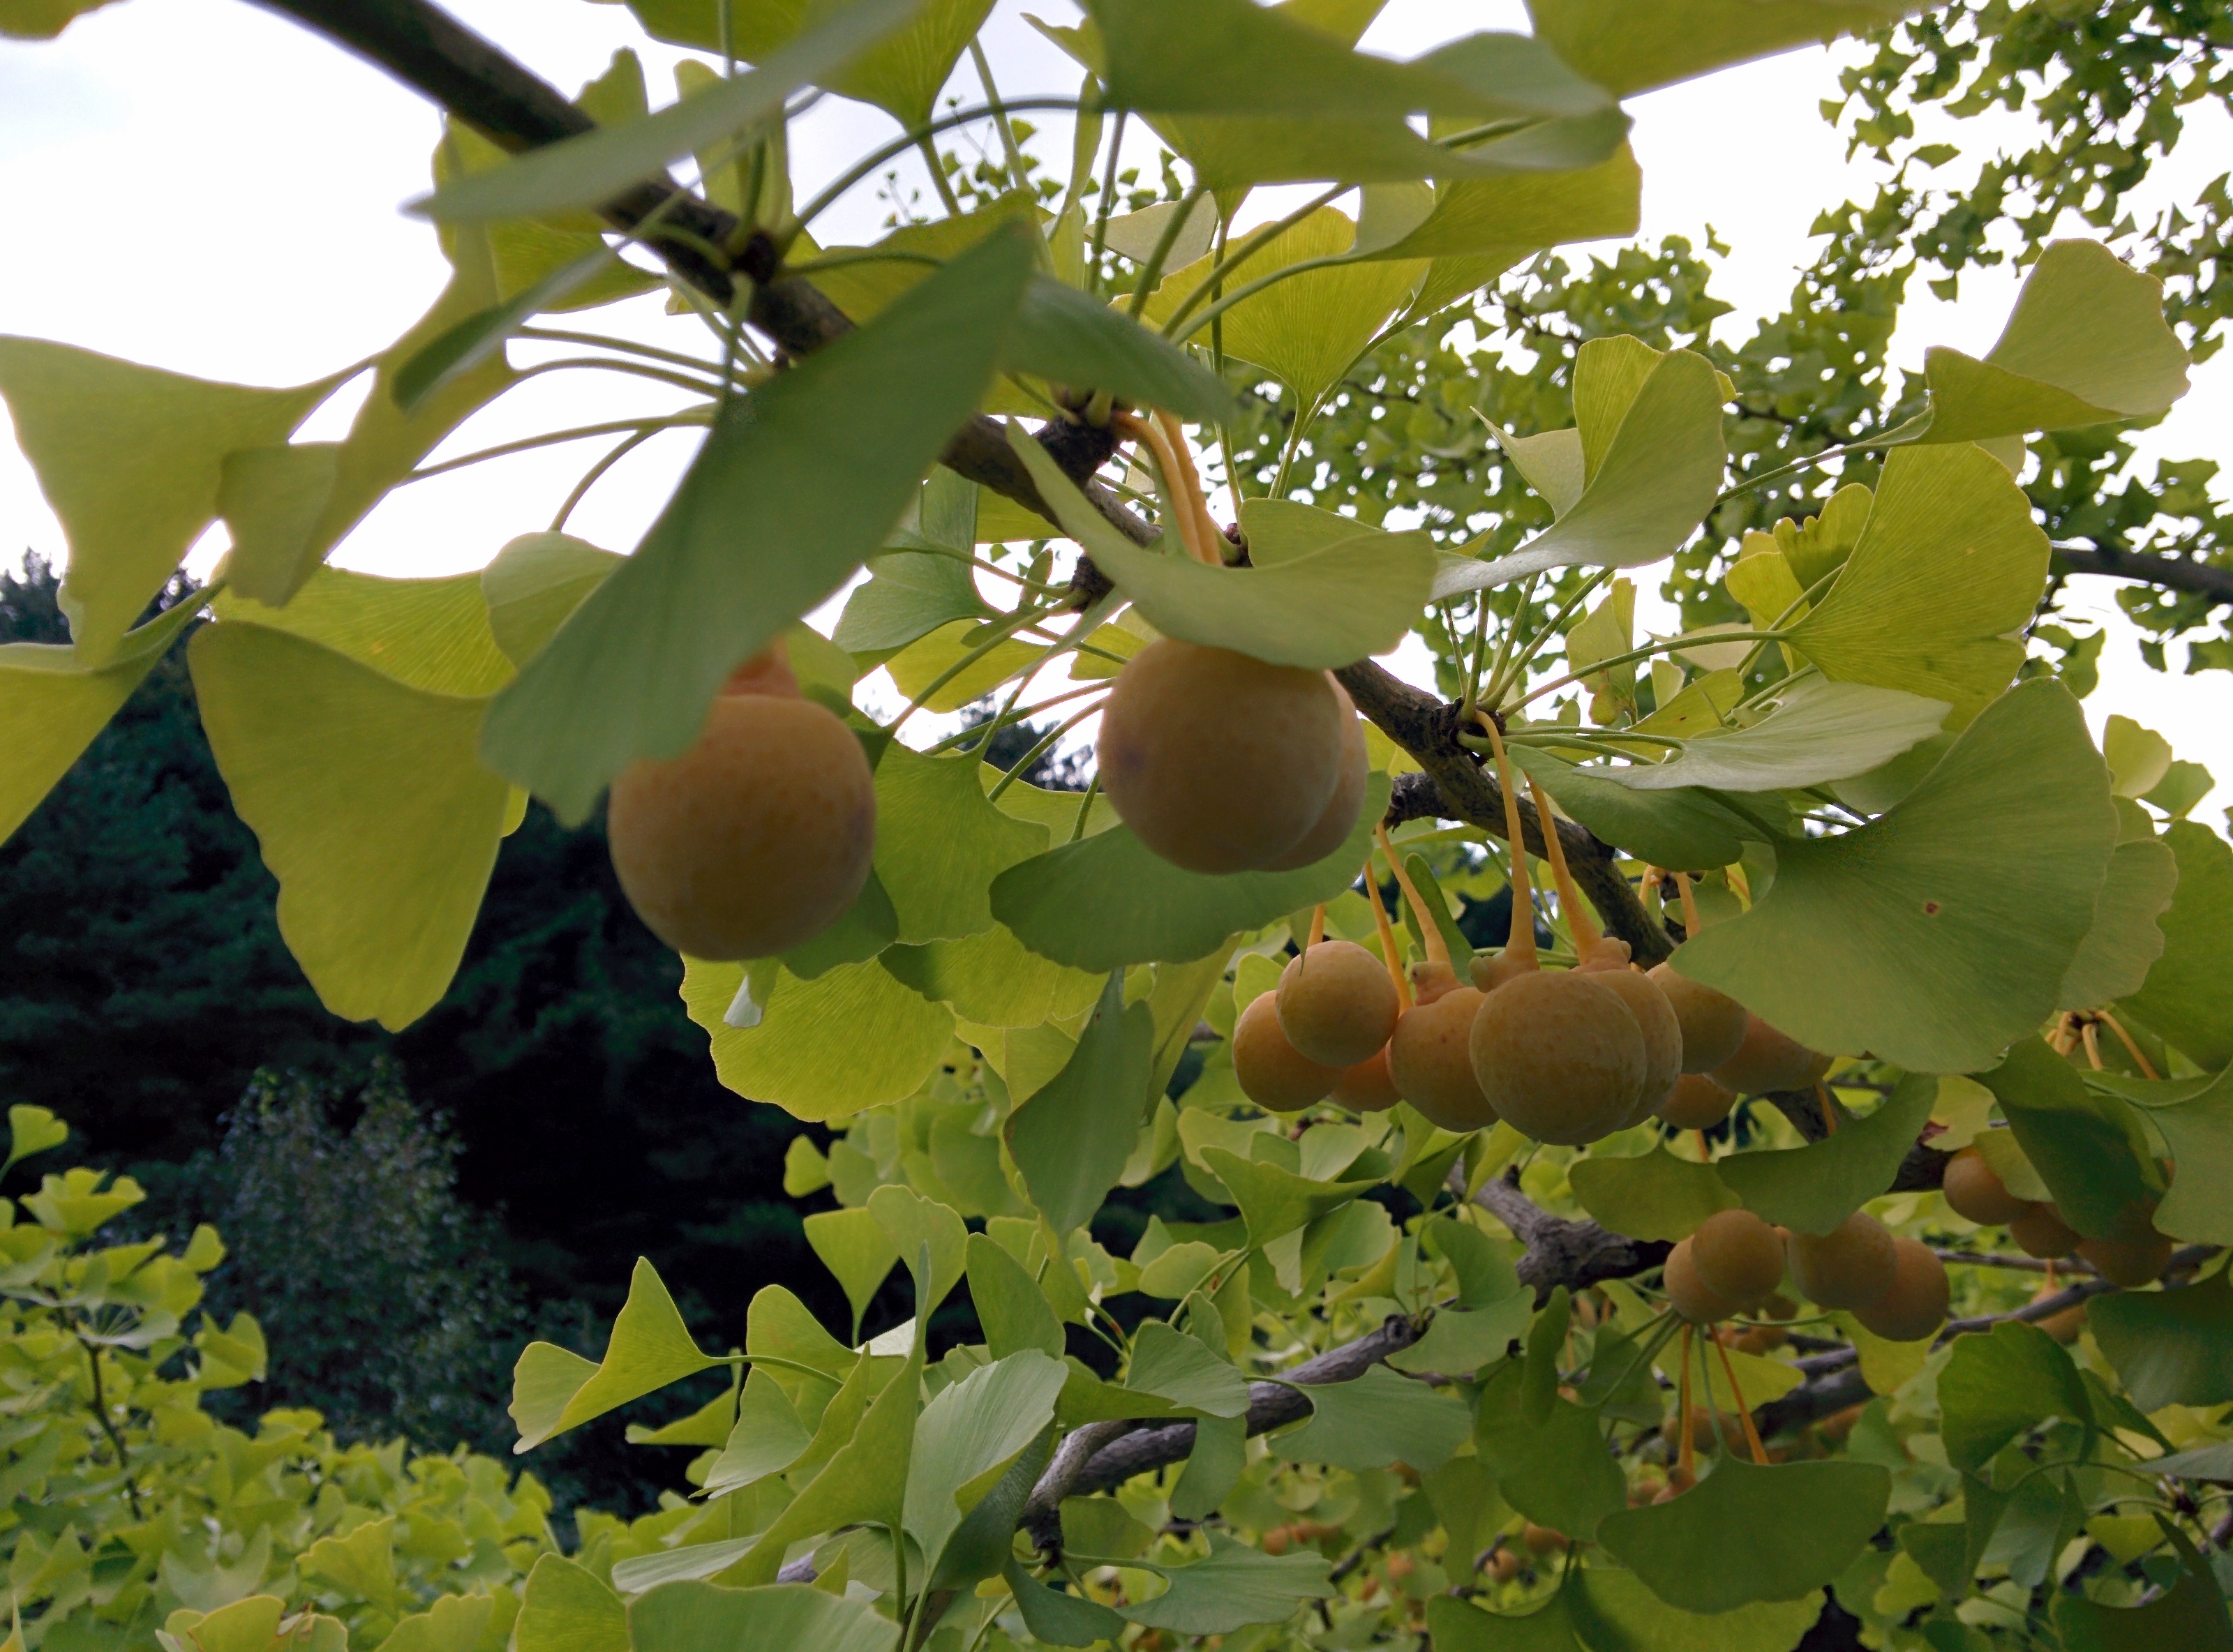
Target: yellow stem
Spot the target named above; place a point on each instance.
(2092, 1045)
(1691, 924)
(1318, 925)
(1829, 1109)
(1578, 919)
(1388, 950)
(2117, 1027)
(1430, 933)
(1686, 1454)
(1204, 524)
(1183, 522)
(1751, 1430)
(1520, 944)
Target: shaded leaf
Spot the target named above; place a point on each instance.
(1233, 1587)
(2088, 1149)
(1634, 45)
(2122, 947)
(1557, 1471)
(2188, 997)
(1375, 1421)
(1997, 1387)
(1812, 1189)
(1173, 1366)
(1060, 333)
(1685, 828)
(564, 1608)
(1071, 1139)
(1803, 1525)
(2172, 1347)
(970, 1429)
(1819, 731)
(693, 1617)
(1656, 1196)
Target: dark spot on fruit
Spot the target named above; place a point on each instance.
(1930, 908)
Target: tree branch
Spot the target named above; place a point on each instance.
(1562, 1252)
(2172, 573)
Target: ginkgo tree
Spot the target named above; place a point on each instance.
(1592, 1292)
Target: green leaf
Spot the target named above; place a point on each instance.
(52, 703)
(271, 499)
(2086, 343)
(1274, 1201)
(1057, 1617)
(650, 1347)
(1233, 1587)
(42, 19)
(1663, 458)
(1819, 731)
(1803, 1525)
(1949, 566)
(1331, 607)
(369, 804)
(1173, 1366)
(131, 459)
(1376, 1420)
(1893, 937)
(597, 165)
(479, 338)
(1213, 1468)
(1010, 1306)
(993, 980)
(2197, 1125)
(1059, 333)
(2188, 997)
(939, 844)
(1635, 45)
(916, 1224)
(970, 1433)
(1686, 828)
(2089, 1149)
(781, 504)
(31, 1129)
(534, 584)
(2125, 940)
(454, 1623)
(1071, 1139)
(711, 1424)
(1106, 901)
(858, 1251)
(766, 1438)
(564, 1608)
(1558, 1472)
(1514, 215)
(2191, 1614)
(363, 1563)
(1997, 1387)
(1656, 1196)
(909, 595)
(1614, 1611)
(2172, 1347)
(1461, 1341)
(851, 1038)
(1812, 1189)
(693, 1616)
(427, 634)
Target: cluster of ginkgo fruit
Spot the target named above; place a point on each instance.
(2133, 1254)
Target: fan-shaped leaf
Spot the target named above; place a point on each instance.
(1803, 1522)
(851, 1038)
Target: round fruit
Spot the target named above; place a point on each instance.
(2041, 1232)
(2130, 1263)
(1274, 1074)
(1713, 1023)
(1430, 1060)
(1663, 1035)
(767, 671)
(1218, 761)
(1696, 1103)
(1679, 1481)
(1558, 1055)
(1690, 1295)
(1337, 1005)
(1368, 1087)
(1544, 1540)
(1973, 1189)
(1738, 1256)
(1767, 1060)
(1915, 1306)
(1335, 824)
(1506, 1565)
(1850, 1266)
(753, 840)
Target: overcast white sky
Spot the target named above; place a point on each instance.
(204, 187)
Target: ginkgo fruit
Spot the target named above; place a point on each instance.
(2129, 1263)
(1713, 1023)
(1430, 1059)
(1337, 1002)
(756, 838)
(1850, 1266)
(2040, 1231)
(1219, 761)
(1738, 1256)
(1696, 1103)
(1274, 1074)
(1663, 1035)
(1768, 1059)
(1558, 1055)
(1339, 817)
(1368, 1087)
(1914, 1306)
(1973, 1188)
(1690, 1295)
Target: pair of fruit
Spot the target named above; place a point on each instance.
(2133, 1256)
(1323, 1035)
(1733, 1262)
(756, 838)
(1221, 763)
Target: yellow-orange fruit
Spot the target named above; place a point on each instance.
(767, 671)
(1690, 1295)
(1337, 1005)
(1696, 1103)
(1218, 761)
(1738, 1256)
(1713, 1023)
(1431, 980)
(1274, 1074)
(1543, 1539)
(1915, 1306)
(1429, 1057)
(1340, 817)
(1368, 1087)
(2065, 1326)
(1663, 1035)
(1704, 1435)
(1850, 1266)
(1760, 1339)
(1767, 1060)
(1505, 1565)
(753, 840)
(1974, 1190)
(2130, 1263)
(1679, 1481)
(2041, 1232)
(1558, 1056)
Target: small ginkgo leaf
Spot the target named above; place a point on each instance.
(1071, 1140)
(2187, 995)
(534, 584)
(1820, 731)
(1629, 46)
(2122, 947)
(852, 1037)
(650, 1347)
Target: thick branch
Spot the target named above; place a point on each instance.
(1562, 1252)
(2172, 573)
(1456, 787)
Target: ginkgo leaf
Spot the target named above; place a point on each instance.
(1071, 1140)
(1518, 213)
(1819, 731)
(650, 1347)
(132, 459)
(1634, 45)
(2122, 947)
(1804, 1524)
(534, 584)
(852, 1037)
(2086, 343)
(689, 1615)
(2187, 995)
(969, 1431)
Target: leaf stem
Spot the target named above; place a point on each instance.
(1001, 629)
(580, 433)
(913, 137)
(1671, 645)
(1258, 239)
(1037, 751)
(1512, 670)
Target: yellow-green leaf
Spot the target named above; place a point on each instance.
(851, 1038)
(650, 1347)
